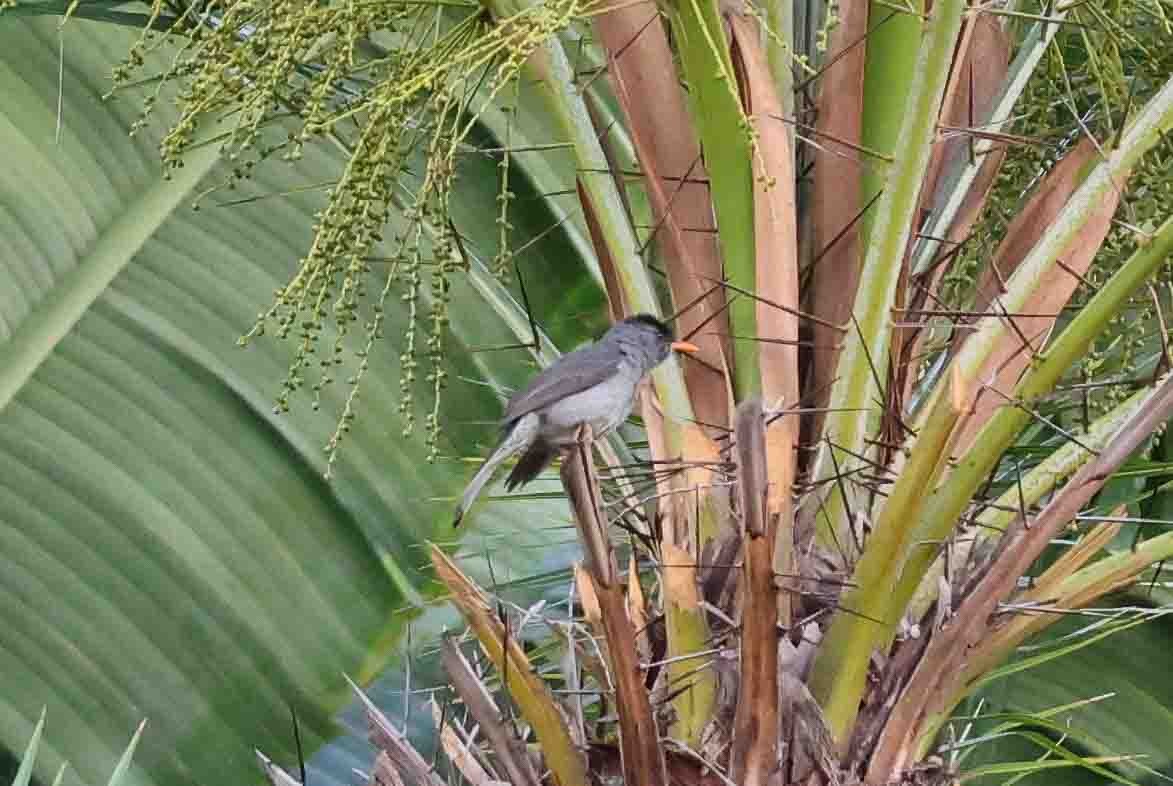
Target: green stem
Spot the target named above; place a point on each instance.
(1113, 570)
(725, 138)
(890, 75)
(865, 353)
(840, 670)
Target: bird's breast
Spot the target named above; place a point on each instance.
(603, 406)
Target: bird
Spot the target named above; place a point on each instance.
(593, 386)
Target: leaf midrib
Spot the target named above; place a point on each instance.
(112, 250)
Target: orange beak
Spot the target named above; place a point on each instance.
(685, 346)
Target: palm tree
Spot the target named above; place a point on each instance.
(913, 379)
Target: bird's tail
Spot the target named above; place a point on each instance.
(520, 436)
(531, 464)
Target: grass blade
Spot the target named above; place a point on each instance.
(24, 772)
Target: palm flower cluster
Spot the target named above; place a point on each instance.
(398, 85)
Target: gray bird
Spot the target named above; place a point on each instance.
(595, 385)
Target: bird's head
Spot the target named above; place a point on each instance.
(650, 336)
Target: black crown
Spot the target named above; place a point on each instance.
(650, 321)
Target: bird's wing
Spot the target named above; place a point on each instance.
(572, 373)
